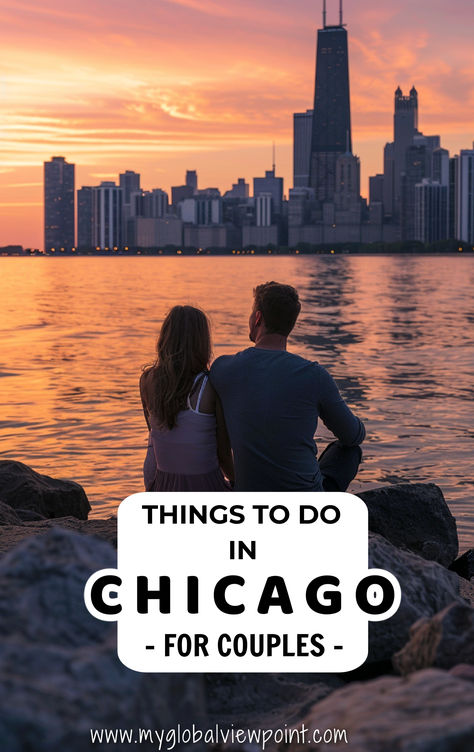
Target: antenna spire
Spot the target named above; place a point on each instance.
(274, 165)
(340, 13)
(324, 14)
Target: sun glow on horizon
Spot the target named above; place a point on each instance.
(198, 84)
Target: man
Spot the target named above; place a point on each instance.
(272, 400)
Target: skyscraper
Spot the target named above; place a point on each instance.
(129, 183)
(85, 218)
(417, 160)
(130, 186)
(192, 180)
(108, 203)
(465, 196)
(240, 189)
(152, 203)
(302, 134)
(405, 128)
(431, 211)
(58, 204)
(272, 185)
(376, 189)
(331, 129)
(347, 194)
(263, 210)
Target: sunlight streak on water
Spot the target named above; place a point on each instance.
(396, 332)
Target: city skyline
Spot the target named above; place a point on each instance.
(226, 133)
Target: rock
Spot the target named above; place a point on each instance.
(8, 516)
(431, 711)
(426, 587)
(28, 515)
(464, 672)
(466, 589)
(51, 698)
(464, 566)
(12, 535)
(442, 641)
(414, 516)
(23, 488)
(41, 588)
(265, 699)
(59, 671)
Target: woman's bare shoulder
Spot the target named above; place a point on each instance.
(145, 378)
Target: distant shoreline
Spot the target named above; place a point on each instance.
(460, 248)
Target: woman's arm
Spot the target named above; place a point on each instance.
(224, 451)
(142, 395)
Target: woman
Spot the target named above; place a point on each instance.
(188, 448)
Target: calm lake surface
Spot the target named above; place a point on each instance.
(397, 333)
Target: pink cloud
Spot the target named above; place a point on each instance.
(171, 80)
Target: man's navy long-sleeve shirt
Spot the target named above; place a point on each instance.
(272, 400)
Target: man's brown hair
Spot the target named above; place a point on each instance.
(280, 306)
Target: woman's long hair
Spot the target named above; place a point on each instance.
(183, 350)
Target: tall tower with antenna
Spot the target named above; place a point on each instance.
(331, 131)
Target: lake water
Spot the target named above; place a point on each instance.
(397, 333)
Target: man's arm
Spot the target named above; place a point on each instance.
(335, 414)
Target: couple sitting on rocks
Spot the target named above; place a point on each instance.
(248, 423)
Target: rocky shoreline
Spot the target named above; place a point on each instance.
(60, 676)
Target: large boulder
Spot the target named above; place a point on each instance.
(442, 641)
(25, 489)
(414, 516)
(426, 588)
(50, 698)
(59, 671)
(431, 711)
(41, 589)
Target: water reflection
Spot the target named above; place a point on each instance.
(397, 333)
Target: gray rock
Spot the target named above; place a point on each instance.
(28, 515)
(464, 566)
(440, 642)
(8, 516)
(466, 590)
(463, 671)
(431, 711)
(265, 699)
(41, 588)
(51, 697)
(59, 672)
(414, 516)
(23, 488)
(426, 586)
(12, 535)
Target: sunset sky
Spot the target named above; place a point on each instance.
(160, 86)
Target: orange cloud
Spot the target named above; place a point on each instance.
(169, 84)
